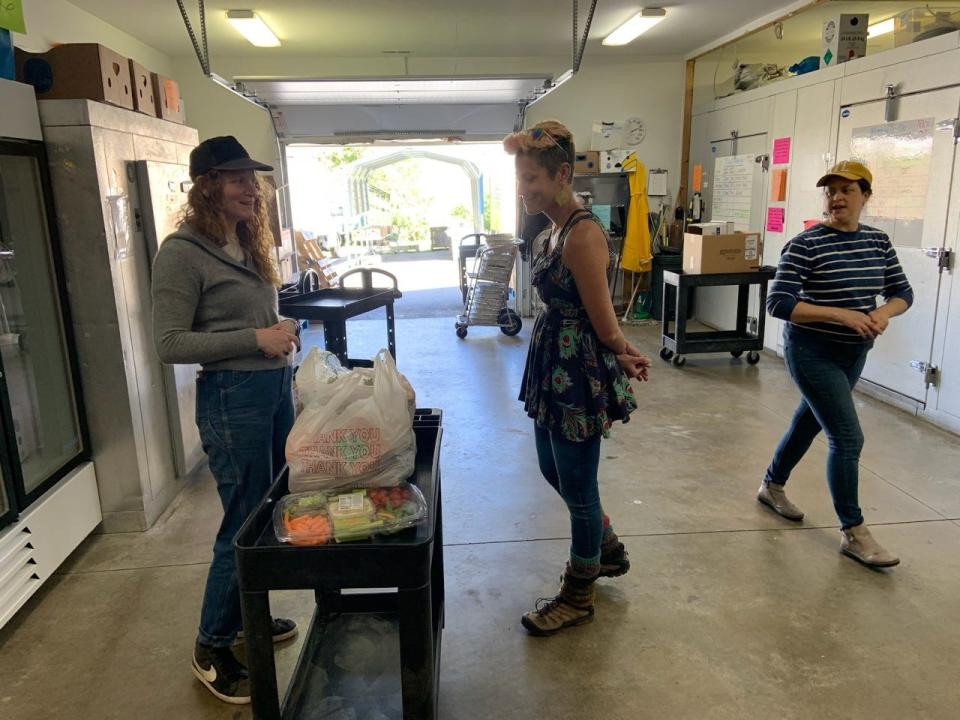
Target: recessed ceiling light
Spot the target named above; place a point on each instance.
(635, 26)
(253, 28)
(881, 28)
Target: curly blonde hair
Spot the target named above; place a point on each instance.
(204, 211)
(552, 147)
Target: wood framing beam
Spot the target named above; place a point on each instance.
(685, 140)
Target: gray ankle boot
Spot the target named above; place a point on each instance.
(858, 543)
(775, 497)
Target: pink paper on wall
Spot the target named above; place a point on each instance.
(775, 219)
(781, 151)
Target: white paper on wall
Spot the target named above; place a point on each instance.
(607, 135)
(657, 182)
(733, 190)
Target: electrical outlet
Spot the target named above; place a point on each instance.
(751, 325)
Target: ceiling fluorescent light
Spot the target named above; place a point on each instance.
(881, 28)
(253, 28)
(635, 26)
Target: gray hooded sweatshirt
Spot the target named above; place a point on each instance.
(207, 306)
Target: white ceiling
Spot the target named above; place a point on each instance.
(428, 28)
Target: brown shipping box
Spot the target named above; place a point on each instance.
(708, 254)
(83, 70)
(587, 163)
(143, 101)
(166, 95)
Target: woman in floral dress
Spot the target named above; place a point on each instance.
(577, 378)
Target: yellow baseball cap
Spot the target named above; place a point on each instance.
(849, 170)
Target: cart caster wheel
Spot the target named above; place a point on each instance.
(510, 322)
(753, 357)
(461, 332)
(736, 353)
(666, 353)
(679, 361)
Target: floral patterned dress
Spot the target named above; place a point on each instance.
(572, 383)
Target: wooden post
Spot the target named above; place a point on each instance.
(685, 140)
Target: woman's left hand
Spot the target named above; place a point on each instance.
(880, 319)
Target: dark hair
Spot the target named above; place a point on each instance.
(864, 187)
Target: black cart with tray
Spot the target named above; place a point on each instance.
(334, 306)
(679, 343)
(373, 646)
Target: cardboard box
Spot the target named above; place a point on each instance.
(709, 254)
(587, 163)
(142, 82)
(78, 71)
(711, 228)
(610, 160)
(844, 38)
(166, 94)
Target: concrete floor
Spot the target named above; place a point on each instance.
(728, 612)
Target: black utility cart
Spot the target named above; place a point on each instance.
(680, 343)
(374, 642)
(334, 306)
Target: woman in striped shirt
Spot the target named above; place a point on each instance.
(826, 289)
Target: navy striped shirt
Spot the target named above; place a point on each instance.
(828, 267)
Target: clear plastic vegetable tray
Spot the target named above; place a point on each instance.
(319, 517)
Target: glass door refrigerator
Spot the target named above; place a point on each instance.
(42, 433)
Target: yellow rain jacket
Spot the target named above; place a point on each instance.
(636, 243)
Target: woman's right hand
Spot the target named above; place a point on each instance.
(634, 366)
(276, 341)
(861, 323)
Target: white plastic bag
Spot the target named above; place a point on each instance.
(316, 376)
(357, 434)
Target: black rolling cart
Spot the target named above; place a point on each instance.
(680, 343)
(384, 595)
(334, 306)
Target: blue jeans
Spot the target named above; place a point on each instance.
(825, 373)
(244, 419)
(571, 469)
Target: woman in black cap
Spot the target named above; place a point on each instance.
(215, 304)
(826, 289)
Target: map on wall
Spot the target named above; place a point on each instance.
(733, 190)
(898, 154)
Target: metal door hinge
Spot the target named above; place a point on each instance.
(943, 256)
(931, 373)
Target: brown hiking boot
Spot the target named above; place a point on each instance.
(572, 606)
(614, 562)
(858, 543)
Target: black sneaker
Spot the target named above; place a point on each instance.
(280, 628)
(224, 675)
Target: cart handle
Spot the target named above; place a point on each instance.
(367, 279)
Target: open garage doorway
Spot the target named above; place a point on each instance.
(403, 209)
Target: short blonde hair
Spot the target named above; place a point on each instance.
(553, 147)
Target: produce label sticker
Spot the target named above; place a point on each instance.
(350, 503)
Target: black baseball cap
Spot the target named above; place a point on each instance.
(222, 153)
